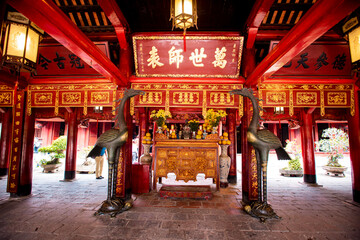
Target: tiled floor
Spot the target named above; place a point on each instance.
(65, 210)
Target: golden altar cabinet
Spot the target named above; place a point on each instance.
(186, 158)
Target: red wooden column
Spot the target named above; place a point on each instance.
(354, 141)
(5, 141)
(307, 144)
(144, 128)
(26, 164)
(71, 145)
(231, 126)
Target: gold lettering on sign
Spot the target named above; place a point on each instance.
(221, 99)
(154, 59)
(185, 98)
(336, 98)
(175, 56)
(100, 97)
(275, 97)
(151, 98)
(71, 98)
(220, 58)
(196, 57)
(43, 98)
(5, 98)
(306, 98)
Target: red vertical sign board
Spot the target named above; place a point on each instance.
(16, 142)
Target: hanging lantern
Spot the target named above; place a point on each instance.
(183, 14)
(21, 46)
(352, 29)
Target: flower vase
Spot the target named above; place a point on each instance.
(146, 157)
(224, 160)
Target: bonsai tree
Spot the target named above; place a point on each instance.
(335, 142)
(56, 151)
(295, 152)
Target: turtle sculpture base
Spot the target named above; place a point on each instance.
(260, 210)
(114, 207)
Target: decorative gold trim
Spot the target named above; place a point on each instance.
(132, 106)
(352, 102)
(276, 97)
(46, 97)
(71, 98)
(57, 103)
(85, 102)
(73, 87)
(204, 105)
(221, 98)
(241, 106)
(336, 98)
(186, 98)
(29, 103)
(167, 101)
(306, 98)
(114, 102)
(291, 101)
(99, 98)
(322, 103)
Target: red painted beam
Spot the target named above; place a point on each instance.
(52, 20)
(323, 15)
(257, 14)
(117, 19)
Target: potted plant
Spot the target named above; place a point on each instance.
(55, 152)
(212, 120)
(294, 168)
(194, 126)
(335, 142)
(160, 118)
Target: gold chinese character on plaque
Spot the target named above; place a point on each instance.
(197, 57)
(154, 59)
(175, 56)
(220, 58)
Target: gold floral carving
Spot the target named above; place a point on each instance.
(5, 98)
(85, 103)
(261, 112)
(291, 101)
(71, 98)
(186, 98)
(204, 105)
(306, 98)
(151, 98)
(352, 104)
(336, 98)
(322, 103)
(275, 97)
(132, 106)
(186, 162)
(167, 101)
(114, 102)
(100, 97)
(29, 103)
(57, 103)
(5, 87)
(212, 137)
(221, 99)
(43, 98)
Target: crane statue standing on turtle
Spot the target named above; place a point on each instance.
(263, 141)
(113, 139)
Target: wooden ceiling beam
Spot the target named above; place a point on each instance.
(47, 15)
(257, 14)
(317, 21)
(117, 19)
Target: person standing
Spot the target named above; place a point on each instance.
(99, 160)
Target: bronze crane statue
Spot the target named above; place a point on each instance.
(112, 140)
(263, 141)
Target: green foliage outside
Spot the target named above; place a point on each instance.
(295, 151)
(56, 151)
(335, 142)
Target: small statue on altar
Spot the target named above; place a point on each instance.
(187, 131)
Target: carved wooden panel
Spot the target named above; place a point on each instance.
(186, 158)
